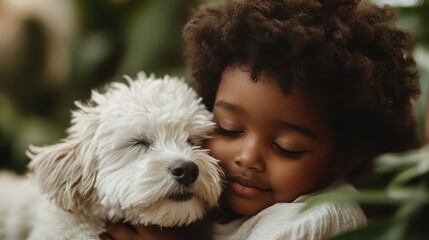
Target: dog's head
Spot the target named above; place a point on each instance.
(136, 150)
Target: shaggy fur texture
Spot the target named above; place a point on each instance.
(131, 154)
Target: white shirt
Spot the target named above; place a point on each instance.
(284, 221)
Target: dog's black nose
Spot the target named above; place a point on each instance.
(184, 172)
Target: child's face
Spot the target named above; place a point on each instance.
(275, 147)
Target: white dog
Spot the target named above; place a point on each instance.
(132, 154)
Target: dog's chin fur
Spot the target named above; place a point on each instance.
(114, 165)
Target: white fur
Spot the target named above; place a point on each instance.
(100, 173)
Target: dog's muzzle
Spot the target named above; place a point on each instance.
(184, 172)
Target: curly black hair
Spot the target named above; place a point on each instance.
(348, 53)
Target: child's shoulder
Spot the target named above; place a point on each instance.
(287, 221)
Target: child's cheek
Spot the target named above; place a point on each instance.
(222, 164)
(205, 144)
(214, 146)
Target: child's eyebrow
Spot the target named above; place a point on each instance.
(228, 106)
(299, 129)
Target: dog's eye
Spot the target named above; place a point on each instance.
(140, 142)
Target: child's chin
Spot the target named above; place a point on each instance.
(245, 207)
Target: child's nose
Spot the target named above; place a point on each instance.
(250, 155)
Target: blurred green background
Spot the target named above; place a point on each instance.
(53, 52)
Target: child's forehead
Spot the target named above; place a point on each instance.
(266, 97)
(285, 83)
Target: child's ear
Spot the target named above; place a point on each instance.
(66, 171)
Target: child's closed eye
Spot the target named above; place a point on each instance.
(292, 154)
(228, 132)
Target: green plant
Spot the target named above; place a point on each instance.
(398, 209)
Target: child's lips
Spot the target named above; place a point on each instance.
(246, 187)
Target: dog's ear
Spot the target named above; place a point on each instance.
(66, 171)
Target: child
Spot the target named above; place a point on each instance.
(305, 94)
